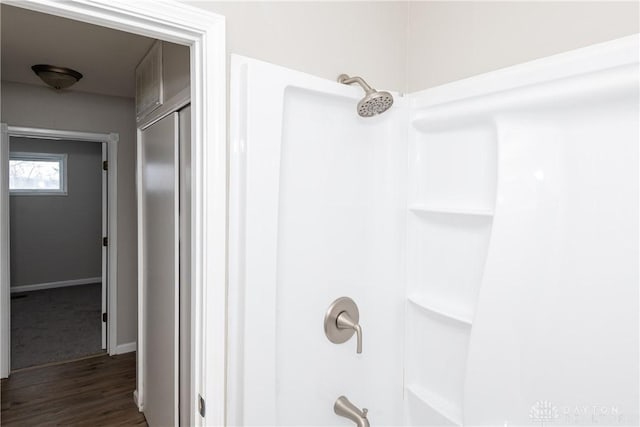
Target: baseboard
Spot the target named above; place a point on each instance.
(136, 401)
(125, 348)
(51, 285)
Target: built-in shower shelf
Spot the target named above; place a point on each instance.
(422, 208)
(437, 403)
(441, 308)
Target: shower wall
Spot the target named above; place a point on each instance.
(319, 205)
(522, 228)
(486, 228)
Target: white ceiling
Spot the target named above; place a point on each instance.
(107, 58)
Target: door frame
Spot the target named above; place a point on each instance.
(105, 247)
(109, 223)
(204, 33)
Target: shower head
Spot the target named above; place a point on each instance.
(374, 102)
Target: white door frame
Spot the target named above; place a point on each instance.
(111, 196)
(5, 274)
(106, 275)
(204, 32)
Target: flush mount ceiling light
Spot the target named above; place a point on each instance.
(57, 77)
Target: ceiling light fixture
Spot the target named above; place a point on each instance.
(57, 77)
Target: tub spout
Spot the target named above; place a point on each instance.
(344, 408)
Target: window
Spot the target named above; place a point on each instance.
(37, 174)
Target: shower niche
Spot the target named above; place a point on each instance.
(452, 168)
(433, 217)
(451, 201)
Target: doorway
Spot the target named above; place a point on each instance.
(40, 272)
(204, 33)
(56, 241)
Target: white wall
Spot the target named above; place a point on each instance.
(409, 46)
(452, 40)
(38, 106)
(322, 38)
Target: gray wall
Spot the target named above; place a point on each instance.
(38, 106)
(56, 238)
(176, 67)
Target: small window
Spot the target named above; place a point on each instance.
(37, 174)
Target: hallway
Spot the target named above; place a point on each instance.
(96, 391)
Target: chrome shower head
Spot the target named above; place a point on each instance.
(374, 102)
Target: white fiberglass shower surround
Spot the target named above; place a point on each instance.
(487, 230)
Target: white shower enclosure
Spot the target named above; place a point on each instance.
(487, 230)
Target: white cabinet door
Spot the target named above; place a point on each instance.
(160, 198)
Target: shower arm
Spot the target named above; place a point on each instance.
(345, 79)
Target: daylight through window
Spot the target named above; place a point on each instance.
(37, 173)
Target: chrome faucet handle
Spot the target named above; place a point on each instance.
(344, 321)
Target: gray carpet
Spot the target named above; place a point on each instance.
(54, 325)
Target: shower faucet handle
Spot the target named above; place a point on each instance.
(344, 321)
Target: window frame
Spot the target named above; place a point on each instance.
(61, 158)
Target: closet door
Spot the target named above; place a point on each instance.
(185, 266)
(160, 201)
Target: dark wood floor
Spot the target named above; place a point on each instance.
(96, 391)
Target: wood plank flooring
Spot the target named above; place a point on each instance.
(96, 391)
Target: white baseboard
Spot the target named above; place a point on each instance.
(125, 348)
(51, 285)
(135, 400)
